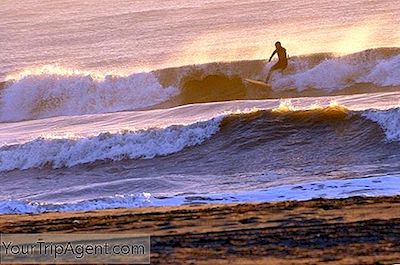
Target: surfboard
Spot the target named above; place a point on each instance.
(257, 82)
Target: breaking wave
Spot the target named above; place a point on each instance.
(50, 94)
(51, 91)
(146, 144)
(349, 129)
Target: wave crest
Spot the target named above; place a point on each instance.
(389, 120)
(146, 144)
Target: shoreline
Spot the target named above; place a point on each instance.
(328, 189)
(355, 230)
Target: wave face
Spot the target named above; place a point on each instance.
(51, 91)
(343, 130)
(282, 131)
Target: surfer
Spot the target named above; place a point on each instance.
(282, 60)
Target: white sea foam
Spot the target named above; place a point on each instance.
(385, 73)
(117, 201)
(52, 94)
(329, 75)
(338, 73)
(131, 144)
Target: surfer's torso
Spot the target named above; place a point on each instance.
(282, 55)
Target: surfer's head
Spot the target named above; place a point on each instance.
(278, 44)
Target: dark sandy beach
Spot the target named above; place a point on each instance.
(355, 230)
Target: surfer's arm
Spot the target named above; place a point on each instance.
(270, 58)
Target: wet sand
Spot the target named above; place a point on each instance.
(355, 230)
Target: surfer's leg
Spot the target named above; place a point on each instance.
(273, 68)
(268, 76)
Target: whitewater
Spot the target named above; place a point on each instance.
(136, 104)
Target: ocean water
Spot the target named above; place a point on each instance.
(143, 103)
